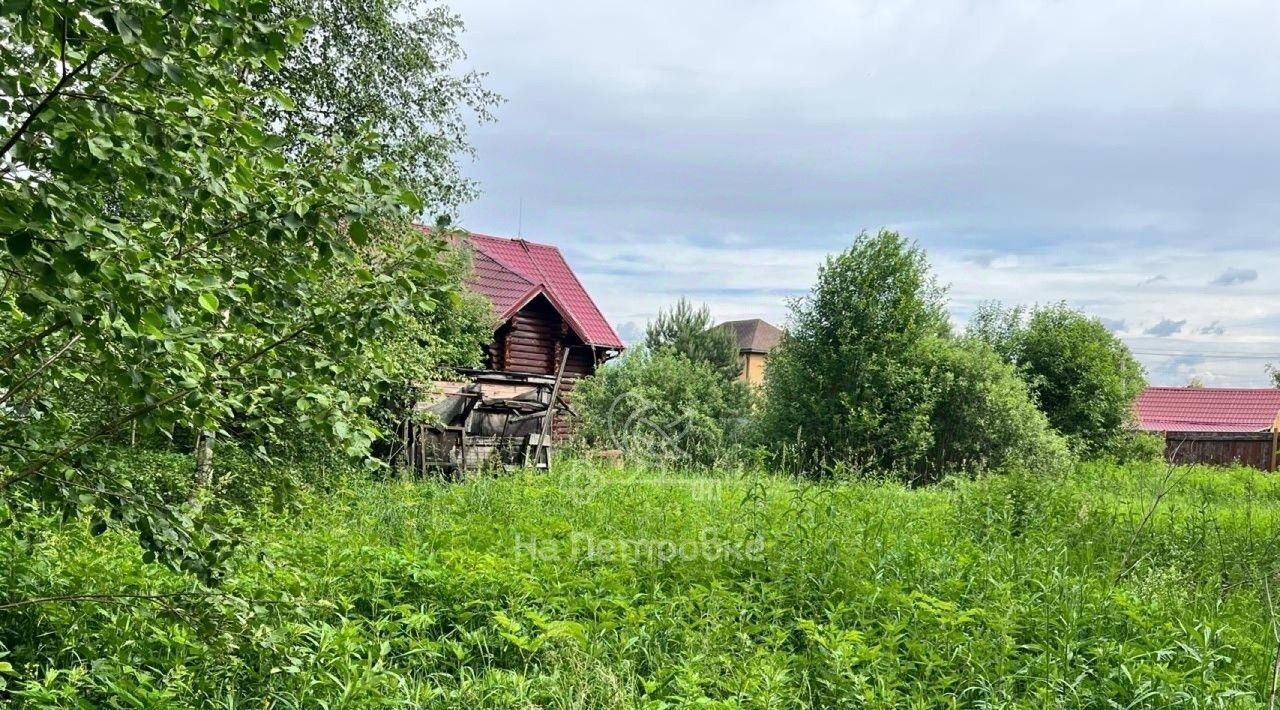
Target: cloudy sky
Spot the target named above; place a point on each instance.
(1123, 156)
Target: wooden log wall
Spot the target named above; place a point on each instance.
(533, 341)
(529, 341)
(1256, 449)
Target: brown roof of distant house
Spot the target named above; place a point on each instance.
(754, 335)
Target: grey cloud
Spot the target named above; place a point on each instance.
(1154, 279)
(1214, 328)
(1113, 325)
(1165, 328)
(655, 133)
(1234, 276)
(596, 176)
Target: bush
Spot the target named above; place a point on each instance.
(662, 408)
(1133, 445)
(1082, 376)
(983, 418)
(870, 378)
(850, 382)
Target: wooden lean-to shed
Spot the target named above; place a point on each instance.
(1214, 425)
(549, 333)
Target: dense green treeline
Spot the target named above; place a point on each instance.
(871, 379)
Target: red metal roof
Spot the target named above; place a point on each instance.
(511, 272)
(1207, 409)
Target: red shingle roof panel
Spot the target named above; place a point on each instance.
(1219, 409)
(507, 270)
(503, 287)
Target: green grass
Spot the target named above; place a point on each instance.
(632, 588)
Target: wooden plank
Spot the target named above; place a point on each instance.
(1275, 449)
(529, 345)
(530, 356)
(540, 350)
(1218, 435)
(551, 411)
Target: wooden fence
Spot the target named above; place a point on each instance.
(1256, 449)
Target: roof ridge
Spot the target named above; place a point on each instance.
(536, 266)
(1185, 388)
(523, 259)
(574, 275)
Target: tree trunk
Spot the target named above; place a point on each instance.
(204, 459)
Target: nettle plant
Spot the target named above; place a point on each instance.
(169, 267)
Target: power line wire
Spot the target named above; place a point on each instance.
(1222, 355)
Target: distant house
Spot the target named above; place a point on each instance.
(756, 338)
(1214, 425)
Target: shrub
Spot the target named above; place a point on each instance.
(1082, 376)
(662, 407)
(1133, 445)
(869, 378)
(850, 381)
(983, 419)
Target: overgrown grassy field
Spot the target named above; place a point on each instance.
(633, 588)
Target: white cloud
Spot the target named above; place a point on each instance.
(755, 282)
(1110, 155)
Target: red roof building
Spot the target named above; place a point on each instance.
(545, 326)
(1214, 425)
(1216, 409)
(511, 272)
(541, 307)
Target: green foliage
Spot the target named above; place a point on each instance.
(386, 65)
(663, 408)
(639, 588)
(450, 334)
(1083, 377)
(983, 418)
(851, 381)
(870, 380)
(688, 331)
(174, 264)
(1135, 445)
(1274, 372)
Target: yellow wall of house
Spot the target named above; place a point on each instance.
(753, 367)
